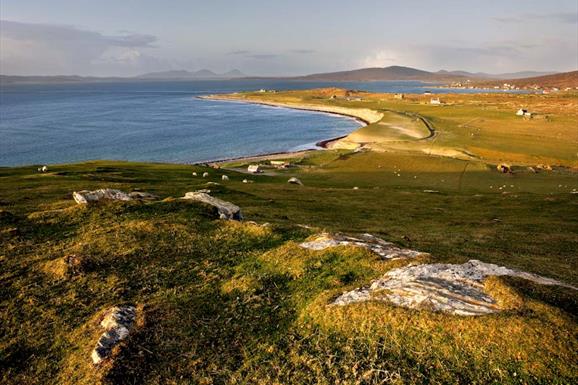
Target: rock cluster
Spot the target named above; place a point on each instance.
(384, 249)
(450, 288)
(117, 322)
(86, 197)
(226, 210)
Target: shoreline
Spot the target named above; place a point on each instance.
(324, 144)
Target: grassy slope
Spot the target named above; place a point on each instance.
(241, 303)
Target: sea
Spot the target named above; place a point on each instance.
(163, 121)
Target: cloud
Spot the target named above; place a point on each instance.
(32, 48)
(239, 52)
(379, 58)
(303, 51)
(264, 56)
(559, 17)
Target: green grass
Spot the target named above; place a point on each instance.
(240, 303)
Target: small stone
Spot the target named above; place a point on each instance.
(294, 180)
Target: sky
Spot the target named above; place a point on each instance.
(278, 38)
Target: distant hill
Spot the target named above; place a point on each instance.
(382, 74)
(512, 75)
(559, 80)
(408, 73)
(185, 75)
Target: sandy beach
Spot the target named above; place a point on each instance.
(364, 116)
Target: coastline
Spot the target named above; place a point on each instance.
(364, 117)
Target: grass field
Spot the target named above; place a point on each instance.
(225, 302)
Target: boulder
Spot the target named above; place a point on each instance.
(86, 197)
(294, 180)
(118, 322)
(450, 288)
(384, 249)
(225, 209)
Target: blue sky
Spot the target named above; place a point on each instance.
(128, 37)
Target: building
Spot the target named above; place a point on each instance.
(436, 101)
(254, 168)
(398, 96)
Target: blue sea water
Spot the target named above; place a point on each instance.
(160, 121)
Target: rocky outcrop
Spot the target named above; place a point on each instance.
(117, 323)
(86, 197)
(226, 210)
(384, 249)
(450, 288)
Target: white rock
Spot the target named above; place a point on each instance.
(380, 247)
(294, 180)
(117, 322)
(226, 210)
(85, 196)
(450, 288)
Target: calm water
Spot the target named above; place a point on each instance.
(159, 121)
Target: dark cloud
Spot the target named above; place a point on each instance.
(560, 17)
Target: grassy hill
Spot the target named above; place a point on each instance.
(225, 302)
(560, 80)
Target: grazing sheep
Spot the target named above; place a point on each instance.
(205, 174)
(225, 177)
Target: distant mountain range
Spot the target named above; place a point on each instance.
(549, 79)
(164, 75)
(408, 73)
(188, 75)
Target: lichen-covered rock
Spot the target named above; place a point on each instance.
(384, 249)
(226, 210)
(117, 322)
(450, 288)
(86, 197)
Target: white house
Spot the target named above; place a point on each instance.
(435, 101)
(254, 168)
